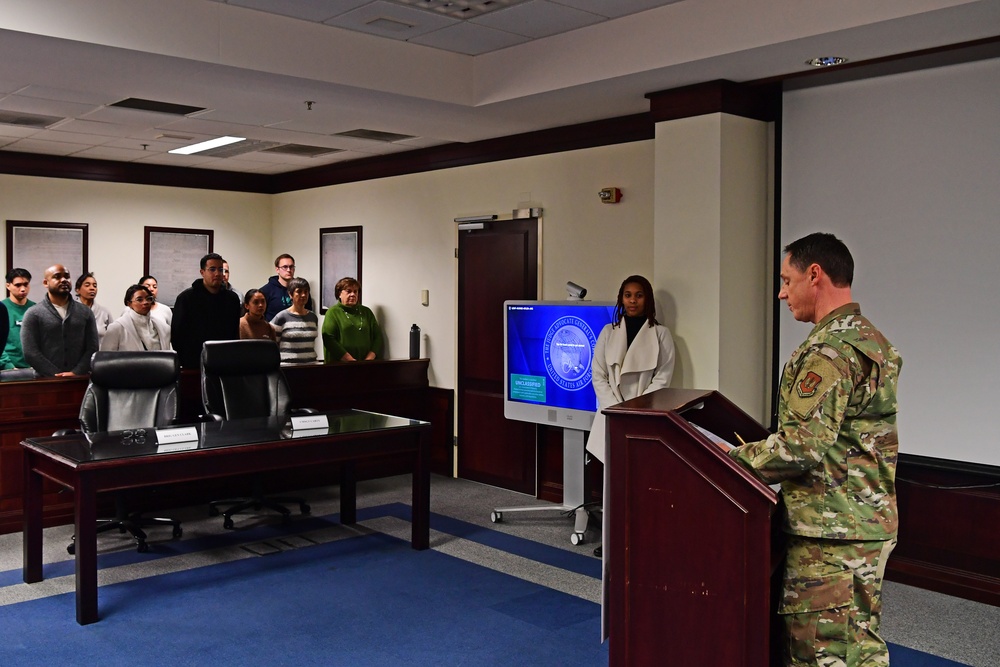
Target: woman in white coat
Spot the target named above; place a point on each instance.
(634, 355)
(135, 330)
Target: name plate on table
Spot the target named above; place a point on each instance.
(309, 432)
(310, 422)
(176, 439)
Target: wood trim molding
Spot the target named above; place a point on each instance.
(88, 169)
(760, 102)
(624, 129)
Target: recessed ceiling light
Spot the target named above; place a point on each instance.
(826, 61)
(206, 145)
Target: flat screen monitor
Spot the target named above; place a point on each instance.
(548, 356)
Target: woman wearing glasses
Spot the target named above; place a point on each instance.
(136, 330)
(160, 311)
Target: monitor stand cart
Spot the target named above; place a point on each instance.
(574, 459)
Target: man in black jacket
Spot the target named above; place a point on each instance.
(204, 311)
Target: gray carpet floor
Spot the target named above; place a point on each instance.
(957, 629)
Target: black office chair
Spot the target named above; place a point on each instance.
(242, 379)
(127, 391)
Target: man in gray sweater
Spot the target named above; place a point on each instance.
(58, 334)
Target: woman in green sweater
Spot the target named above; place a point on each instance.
(350, 330)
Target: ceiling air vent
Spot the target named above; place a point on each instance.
(28, 119)
(301, 150)
(159, 107)
(239, 148)
(374, 135)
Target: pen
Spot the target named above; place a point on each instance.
(739, 438)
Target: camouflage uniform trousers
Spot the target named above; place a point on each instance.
(832, 602)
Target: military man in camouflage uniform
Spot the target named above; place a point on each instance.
(835, 455)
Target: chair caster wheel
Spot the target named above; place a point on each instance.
(71, 549)
(305, 508)
(228, 523)
(142, 547)
(178, 531)
(496, 517)
(576, 538)
(213, 510)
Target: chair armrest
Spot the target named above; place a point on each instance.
(298, 412)
(67, 431)
(208, 417)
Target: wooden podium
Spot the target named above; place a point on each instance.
(693, 538)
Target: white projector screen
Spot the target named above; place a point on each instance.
(906, 170)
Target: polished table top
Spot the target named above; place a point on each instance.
(78, 449)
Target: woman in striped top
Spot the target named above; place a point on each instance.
(296, 327)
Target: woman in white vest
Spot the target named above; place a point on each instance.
(634, 355)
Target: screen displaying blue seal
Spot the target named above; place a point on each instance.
(548, 358)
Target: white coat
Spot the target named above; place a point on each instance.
(621, 371)
(121, 334)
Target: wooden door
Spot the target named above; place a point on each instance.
(495, 263)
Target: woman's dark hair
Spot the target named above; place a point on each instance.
(79, 281)
(130, 293)
(650, 302)
(145, 278)
(345, 283)
(299, 283)
(249, 295)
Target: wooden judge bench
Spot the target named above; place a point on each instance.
(694, 539)
(35, 408)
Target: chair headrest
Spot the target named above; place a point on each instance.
(134, 370)
(240, 357)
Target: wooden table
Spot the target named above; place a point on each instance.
(92, 464)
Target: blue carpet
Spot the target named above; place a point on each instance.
(364, 601)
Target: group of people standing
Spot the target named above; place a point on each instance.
(58, 335)
(834, 452)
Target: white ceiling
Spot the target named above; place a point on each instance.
(528, 65)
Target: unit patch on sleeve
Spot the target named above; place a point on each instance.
(811, 385)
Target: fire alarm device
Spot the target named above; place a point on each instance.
(610, 195)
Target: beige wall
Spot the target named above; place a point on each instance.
(116, 214)
(410, 234)
(711, 243)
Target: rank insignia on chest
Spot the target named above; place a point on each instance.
(808, 385)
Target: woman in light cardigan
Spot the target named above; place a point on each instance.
(135, 330)
(633, 356)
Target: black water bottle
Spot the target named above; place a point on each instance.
(414, 342)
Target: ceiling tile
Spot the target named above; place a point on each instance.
(470, 39)
(44, 107)
(43, 147)
(617, 8)
(393, 21)
(308, 10)
(537, 19)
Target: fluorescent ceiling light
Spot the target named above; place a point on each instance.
(206, 145)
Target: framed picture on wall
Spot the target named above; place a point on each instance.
(36, 246)
(173, 256)
(339, 257)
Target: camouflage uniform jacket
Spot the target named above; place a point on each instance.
(836, 446)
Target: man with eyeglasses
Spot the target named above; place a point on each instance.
(204, 311)
(276, 289)
(58, 334)
(17, 304)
